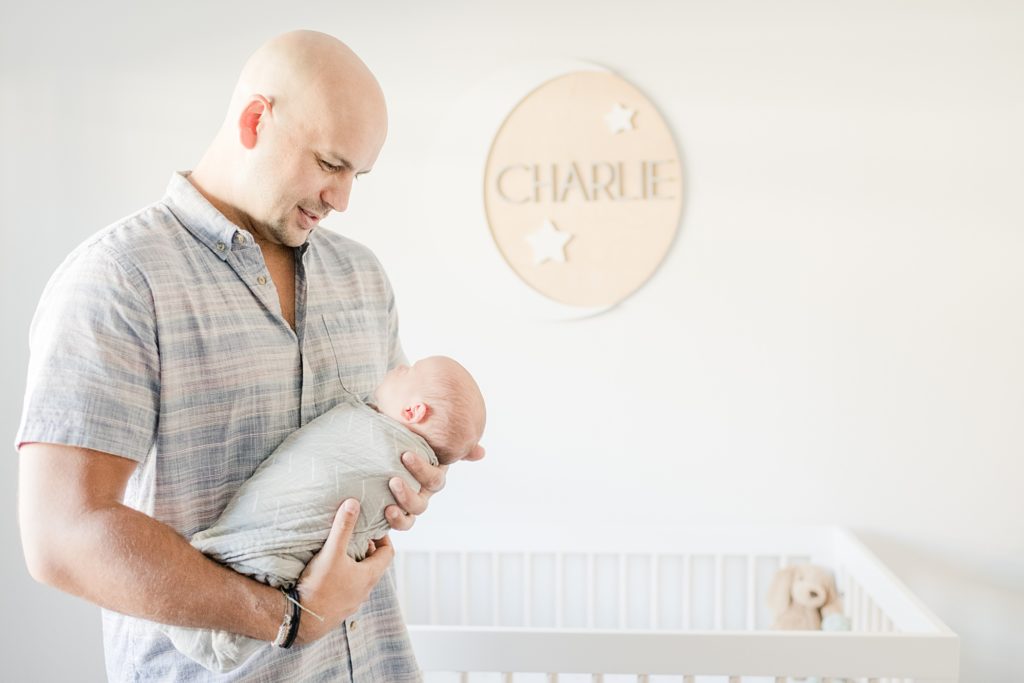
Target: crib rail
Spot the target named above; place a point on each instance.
(766, 654)
(578, 604)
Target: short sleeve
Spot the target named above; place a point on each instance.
(93, 376)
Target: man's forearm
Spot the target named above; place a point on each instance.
(79, 537)
(126, 561)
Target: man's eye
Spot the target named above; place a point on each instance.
(330, 168)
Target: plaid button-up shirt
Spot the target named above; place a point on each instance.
(161, 339)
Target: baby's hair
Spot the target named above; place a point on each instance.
(457, 415)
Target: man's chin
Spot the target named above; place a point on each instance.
(295, 235)
(297, 240)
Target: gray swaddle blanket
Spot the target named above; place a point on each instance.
(281, 516)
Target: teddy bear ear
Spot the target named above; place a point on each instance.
(780, 592)
(832, 600)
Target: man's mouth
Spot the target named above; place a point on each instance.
(312, 218)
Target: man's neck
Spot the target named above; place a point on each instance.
(206, 186)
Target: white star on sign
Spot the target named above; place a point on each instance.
(619, 118)
(548, 243)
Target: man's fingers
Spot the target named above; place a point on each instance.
(344, 525)
(377, 563)
(407, 498)
(397, 519)
(430, 477)
(410, 503)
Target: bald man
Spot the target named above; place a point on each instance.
(174, 350)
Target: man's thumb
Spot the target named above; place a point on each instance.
(343, 526)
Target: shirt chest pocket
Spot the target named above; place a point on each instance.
(359, 341)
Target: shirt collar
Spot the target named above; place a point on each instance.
(204, 221)
(201, 218)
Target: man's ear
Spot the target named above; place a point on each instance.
(477, 453)
(417, 412)
(249, 122)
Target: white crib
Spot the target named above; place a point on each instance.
(601, 606)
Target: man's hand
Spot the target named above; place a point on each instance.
(333, 585)
(410, 503)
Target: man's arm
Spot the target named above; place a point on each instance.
(79, 537)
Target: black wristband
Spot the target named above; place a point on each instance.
(293, 629)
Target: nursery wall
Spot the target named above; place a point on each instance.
(835, 335)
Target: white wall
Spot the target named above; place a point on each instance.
(835, 336)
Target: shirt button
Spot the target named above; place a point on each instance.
(352, 625)
(221, 246)
(262, 280)
(239, 239)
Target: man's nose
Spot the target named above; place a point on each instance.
(336, 194)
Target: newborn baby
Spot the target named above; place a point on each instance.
(281, 516)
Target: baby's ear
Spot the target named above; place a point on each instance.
(476, 453)
(415, 413)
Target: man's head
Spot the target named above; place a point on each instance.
(439, 400)
(306, 118)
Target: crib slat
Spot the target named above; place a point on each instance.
(719, 590)
(864, 607)
(687, 589)
(559, 595)
(855, 605)
(623, 590)
(655, 582)
(495, 589)
(751, 591)
(527, 589)
(435, 582)
(622, 601)
(591, 590)
(464, 568)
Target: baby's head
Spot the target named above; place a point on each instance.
(439, 400)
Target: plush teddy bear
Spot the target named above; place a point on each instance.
(800, 596)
